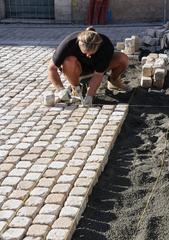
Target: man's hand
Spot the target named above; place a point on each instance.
(88, 101)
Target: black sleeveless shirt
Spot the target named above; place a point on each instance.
(98, 62)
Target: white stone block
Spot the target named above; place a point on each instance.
(143, 60)
(159, 62)
(12, 204)
(14, 233)
(6, 215)
(165, 57)
(129, 46)
(147, 70)
(56, 233)
(52, 209)
(153, 55)
(20, 222)
(69, 211)
(146, 82)
(120, 46)
(159, 77)
(49, 98)
(137, 42)
(75, 201)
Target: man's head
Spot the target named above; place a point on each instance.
(89, 41)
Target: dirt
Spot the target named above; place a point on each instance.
(131, 199)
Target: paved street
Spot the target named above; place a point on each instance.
(50, 157)
(51, 35)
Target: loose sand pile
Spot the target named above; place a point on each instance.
(131, 199)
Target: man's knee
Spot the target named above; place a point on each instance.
(71, 65)
(70, 62)
(119, 61)
(123, 60)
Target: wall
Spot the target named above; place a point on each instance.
(133, 11)
(167, 10)
(2, 9)
(126, 11)
(62, 11)
(79, 11)
(123, 11)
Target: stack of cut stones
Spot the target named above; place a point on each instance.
(129, 46)
(151, 40)
(154, 70)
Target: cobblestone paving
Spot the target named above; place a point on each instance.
(50, 158)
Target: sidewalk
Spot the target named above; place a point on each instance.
(50, 158)
(51, 35)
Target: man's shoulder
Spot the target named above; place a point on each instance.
(105, 38)
(70, 37)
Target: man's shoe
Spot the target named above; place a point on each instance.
(118, 85)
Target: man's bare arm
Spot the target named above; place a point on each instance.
(53, 76)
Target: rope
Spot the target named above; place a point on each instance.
(150, 106)
(146, 106)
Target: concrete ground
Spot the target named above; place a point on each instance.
(50, 157)
(51, 35)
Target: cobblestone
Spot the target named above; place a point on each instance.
(44, 219)
(26, 185)
(13, 233)
(34, 201)
(20, 222)
(57, 198)
(38, 230)
(12, 204)
(52, 209)
(50, 158)
(6, 215)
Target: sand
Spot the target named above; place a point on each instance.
(131, 199)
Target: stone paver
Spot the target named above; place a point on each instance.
(50, 158)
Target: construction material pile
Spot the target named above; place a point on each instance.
(152, 40)
(154, 70)
(130, 45)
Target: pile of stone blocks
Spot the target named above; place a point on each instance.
(151, 41)
(129, 46)
(154, 70)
